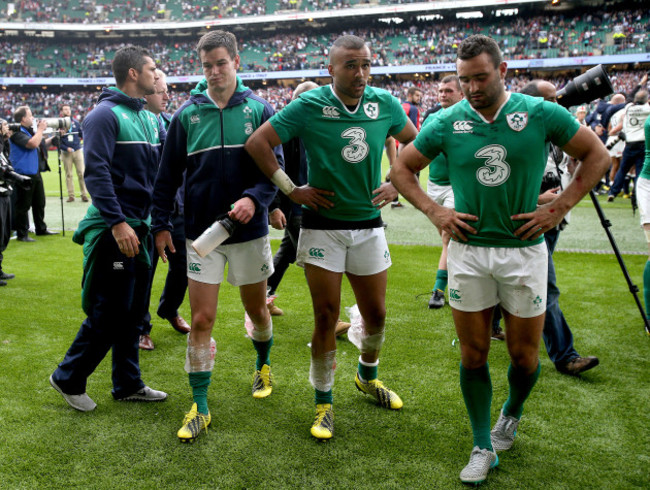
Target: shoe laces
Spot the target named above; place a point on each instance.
(479, 459)
(264, 375)
(506, 425)
(321, 412)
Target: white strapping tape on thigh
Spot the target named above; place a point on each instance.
(200, 358)
(321, 371)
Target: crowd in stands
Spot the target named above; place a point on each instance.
(132, 11)
(45, 104)
(432, 42)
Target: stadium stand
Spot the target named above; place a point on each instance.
(47, 104)
(422, 42)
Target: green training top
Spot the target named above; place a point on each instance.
(344, 148)
(496, 168)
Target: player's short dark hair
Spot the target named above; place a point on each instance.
(641, 97)
(412, 90)
(477, 44)
(126, 58)
(452, 79)
(20, 113)
(218, 39)
(349, 42)
(531, 88)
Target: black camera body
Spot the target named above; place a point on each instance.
(10, 176)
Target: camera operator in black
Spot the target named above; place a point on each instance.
(6, 172)
(25, 144)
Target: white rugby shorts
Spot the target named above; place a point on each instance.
(643, 199)
(359, 252)
(441, 194)
(248, 263)
(481, 277)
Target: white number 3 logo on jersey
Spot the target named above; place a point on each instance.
(357, 150)
(496, 170)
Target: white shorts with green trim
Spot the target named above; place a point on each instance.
(248, 263)
(359, 252)
(481, 277)
(643, 199)
(441, 194)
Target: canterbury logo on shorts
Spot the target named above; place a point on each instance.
(318, 253)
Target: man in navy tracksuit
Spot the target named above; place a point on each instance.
(122, 150)
(206, 143)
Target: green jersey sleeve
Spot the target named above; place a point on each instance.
(561, 126)
(290, 120)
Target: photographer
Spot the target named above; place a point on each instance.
(6, 173)
(25, 144)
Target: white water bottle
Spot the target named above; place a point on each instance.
(215, 235)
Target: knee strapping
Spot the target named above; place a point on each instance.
(200, 358)
(358, 334)
(321, 371)
(257, 333)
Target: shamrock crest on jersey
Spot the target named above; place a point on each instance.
(371, 109)
(517, 120)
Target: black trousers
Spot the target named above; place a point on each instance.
(34, 198)
(176, 282)
(286, 254)
(118, 284)
(5, 224)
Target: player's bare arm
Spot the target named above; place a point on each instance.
(260, 147)
(409, 162)
(594, 162)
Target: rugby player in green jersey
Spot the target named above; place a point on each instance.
(343, 127)
(495, 145)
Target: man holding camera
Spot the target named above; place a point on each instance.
(495, 143)
(72, 155)
(6, 174)
(25, 148)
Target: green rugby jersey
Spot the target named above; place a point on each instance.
(438, 172)
(344, 149)
(496, 168)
